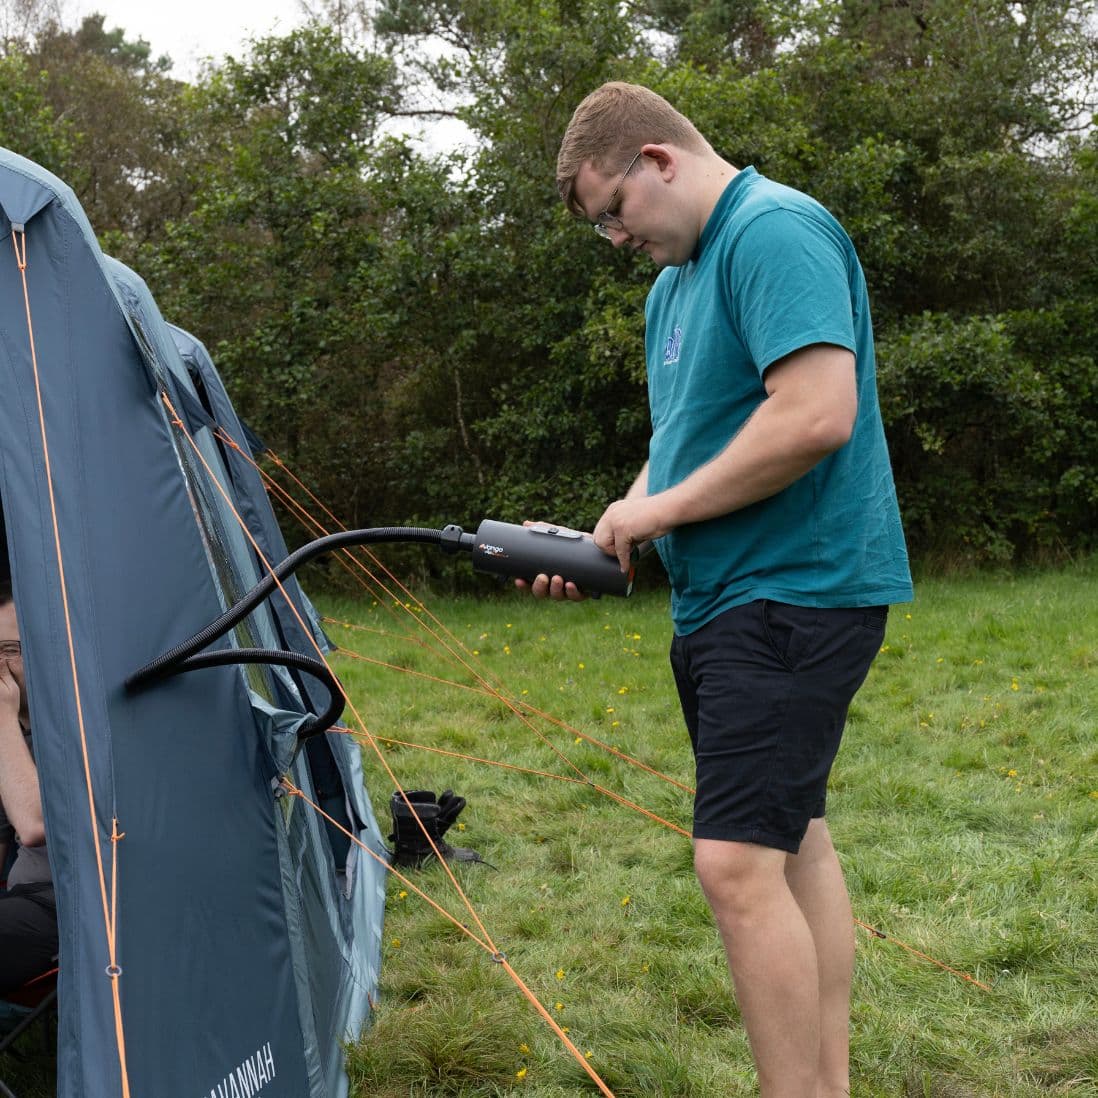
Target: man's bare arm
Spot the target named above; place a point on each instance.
(809, 412)
(639, 487)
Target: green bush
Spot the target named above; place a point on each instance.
(993, 426)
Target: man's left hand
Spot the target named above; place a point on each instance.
(629, 522)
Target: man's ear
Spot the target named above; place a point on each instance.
(666, 159)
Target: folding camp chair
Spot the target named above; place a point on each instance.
(21, 1009)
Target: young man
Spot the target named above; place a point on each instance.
(769, 489)
(28, 917)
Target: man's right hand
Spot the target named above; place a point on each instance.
(552, 587)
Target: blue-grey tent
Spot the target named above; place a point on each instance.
(218, 937)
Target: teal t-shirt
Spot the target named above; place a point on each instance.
(773, 272)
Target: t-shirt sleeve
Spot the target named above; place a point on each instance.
(790, 286)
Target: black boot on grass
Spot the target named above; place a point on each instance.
(437, 816)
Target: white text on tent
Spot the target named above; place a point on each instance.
(252, 1075)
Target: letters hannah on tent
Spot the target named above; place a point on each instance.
(249, 1078)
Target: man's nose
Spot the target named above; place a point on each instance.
(618, 237)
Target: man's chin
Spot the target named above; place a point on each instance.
(660, 256)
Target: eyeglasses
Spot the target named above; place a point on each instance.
(10, 650)
(606, 220)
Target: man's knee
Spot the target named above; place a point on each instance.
(737, 877)
(815, 847)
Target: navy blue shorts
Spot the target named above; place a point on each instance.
(764, 689)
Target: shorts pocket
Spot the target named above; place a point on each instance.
(874, 618)
(789, 631)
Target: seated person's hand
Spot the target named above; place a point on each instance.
(10, 694)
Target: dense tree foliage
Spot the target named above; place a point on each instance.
(429, 337)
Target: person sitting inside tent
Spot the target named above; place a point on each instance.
(28, 916)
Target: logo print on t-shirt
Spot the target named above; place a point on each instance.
(672, 347)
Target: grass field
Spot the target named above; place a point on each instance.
(964, 804)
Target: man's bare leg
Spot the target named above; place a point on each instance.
(772, 957)
(816, 881)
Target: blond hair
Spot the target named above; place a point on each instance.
(610, 126)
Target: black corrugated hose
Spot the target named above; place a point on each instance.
(188, 655)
